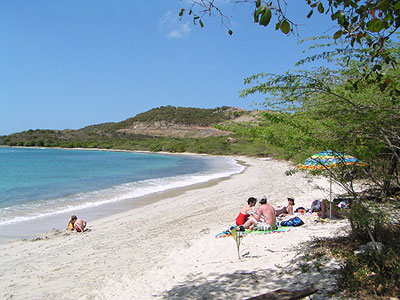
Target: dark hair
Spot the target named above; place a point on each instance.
(291, 199)
(251, 199)
(73, 217)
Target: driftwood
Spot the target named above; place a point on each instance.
(285, 295)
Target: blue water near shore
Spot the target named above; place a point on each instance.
(38, 183)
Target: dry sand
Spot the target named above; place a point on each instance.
(168, 249)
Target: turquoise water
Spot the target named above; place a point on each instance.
(38, 183)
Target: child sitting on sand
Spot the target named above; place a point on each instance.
(76, 224)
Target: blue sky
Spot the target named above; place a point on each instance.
(70, 63)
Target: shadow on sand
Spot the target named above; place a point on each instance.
(243, 284)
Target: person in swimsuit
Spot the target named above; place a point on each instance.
(325, 210)
(244, 218)
(76, 224)
(286, 210)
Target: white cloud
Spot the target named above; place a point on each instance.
(182, 31)
(172, 27)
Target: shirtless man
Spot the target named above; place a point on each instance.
(76, 224)
(267, 212)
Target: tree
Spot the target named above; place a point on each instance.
(356, 18)
(366, 65)
(361, 23)
(320, 109)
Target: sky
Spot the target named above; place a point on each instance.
(67, 64)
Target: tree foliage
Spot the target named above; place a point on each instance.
(320, 109)
(354, 106)
(368, 24)
(356, 19)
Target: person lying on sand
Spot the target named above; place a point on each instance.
(325, 210)
(76, 224)
(245, 217)
(286, 210)
(266, 212)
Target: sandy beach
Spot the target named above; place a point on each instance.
(168, 250)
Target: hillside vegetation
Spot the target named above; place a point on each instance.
(168, 128)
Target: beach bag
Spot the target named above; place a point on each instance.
(316, 206)
(296, 221)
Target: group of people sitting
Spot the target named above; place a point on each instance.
(266, 213)
(248, 218)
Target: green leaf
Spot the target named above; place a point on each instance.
(321, 8)
(375, 25)
(230, 32)
(285, 27)
(278, 25)
(259, 11)
(389, 17)
(335, 15)
(201, 24)
(397, 6)
(258, 3)
(340, 16)
(310, 14)
(337, 34)
(266, 17)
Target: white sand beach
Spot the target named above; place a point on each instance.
(168, 249)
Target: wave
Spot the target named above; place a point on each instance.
(122, 192)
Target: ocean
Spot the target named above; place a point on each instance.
(40, 188)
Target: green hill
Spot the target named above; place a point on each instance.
(167, 128)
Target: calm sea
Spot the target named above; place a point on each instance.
(36, 184)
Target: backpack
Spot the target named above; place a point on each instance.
(316, 206)
(296, 221)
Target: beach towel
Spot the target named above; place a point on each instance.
(248, 231)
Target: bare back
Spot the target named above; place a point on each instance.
(245, 209)
(268, 213)
(80, 225)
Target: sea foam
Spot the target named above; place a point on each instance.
(120, 192)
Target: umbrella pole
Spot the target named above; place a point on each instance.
(330, 197)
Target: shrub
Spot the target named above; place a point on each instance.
(369, 274)
(178, 147)
(155, 147)
(29, 144)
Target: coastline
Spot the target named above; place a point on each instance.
(42, 224)
(168, 250)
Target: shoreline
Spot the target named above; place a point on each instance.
(168, 249)
(115, 150)
(34, 228)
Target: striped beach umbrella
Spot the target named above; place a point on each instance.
(329, 159)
